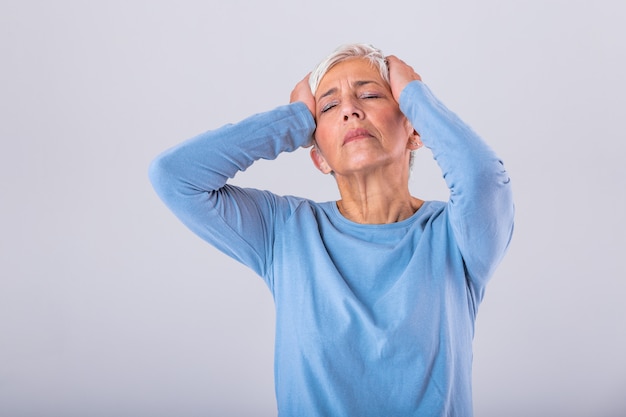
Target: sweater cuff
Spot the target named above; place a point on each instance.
(306, 122)
(414, 92)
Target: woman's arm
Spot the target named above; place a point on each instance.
(191, 179)
(481, 206)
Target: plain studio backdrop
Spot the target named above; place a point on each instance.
(110, 307)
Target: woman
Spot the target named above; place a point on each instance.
(376, 294)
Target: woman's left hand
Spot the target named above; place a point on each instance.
(302, 92)
(400, 74)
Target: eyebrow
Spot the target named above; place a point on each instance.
(356, 83)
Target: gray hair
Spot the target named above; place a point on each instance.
(356, 50)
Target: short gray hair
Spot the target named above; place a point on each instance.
(356, 50)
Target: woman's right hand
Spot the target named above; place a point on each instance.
(302, 92)
(400, 74)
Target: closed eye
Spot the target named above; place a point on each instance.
(328, 106)
(333, 104)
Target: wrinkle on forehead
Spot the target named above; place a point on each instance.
(366, 69)
(357, 84)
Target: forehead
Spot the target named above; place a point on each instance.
(351, 70)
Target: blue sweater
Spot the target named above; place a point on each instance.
(371, 320)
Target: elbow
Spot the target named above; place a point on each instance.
(161, 176)
(156, 172)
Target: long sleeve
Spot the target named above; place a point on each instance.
(480, 208)
(191, 179)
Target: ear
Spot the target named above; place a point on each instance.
(319, 161)
(414, 142)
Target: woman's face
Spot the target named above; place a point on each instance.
(359, 124)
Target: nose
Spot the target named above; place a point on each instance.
(350, 109)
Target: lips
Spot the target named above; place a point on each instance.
(356, 134)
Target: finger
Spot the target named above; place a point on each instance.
(392, 59)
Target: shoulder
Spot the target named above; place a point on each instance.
(281, 206)
(431, 210)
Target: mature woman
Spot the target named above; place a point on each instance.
(376, 294)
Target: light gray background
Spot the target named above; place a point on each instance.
(110, 307)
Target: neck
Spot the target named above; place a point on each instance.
(375, 199)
